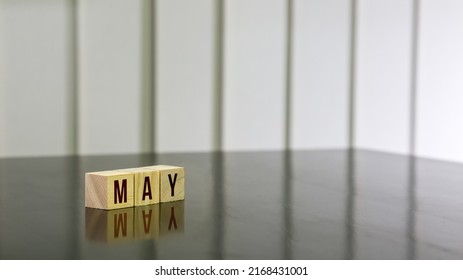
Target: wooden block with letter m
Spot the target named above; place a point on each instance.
(109, 189)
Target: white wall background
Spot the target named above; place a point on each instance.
(320, 77)
(254, 67)
(184, 67)
(110, 84)
(382, 76)
(122, 76)
(440, 86)
(36, 81)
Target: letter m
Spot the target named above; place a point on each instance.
(120, 193)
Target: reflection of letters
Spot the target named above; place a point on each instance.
(119, 194)
(172, 183)
(135, 223)
(147, 189)
(147, 221)
(172, 220)
(120, 222)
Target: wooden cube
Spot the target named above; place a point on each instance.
(109, 189)
(172, 218)
(172, 182)
(147, 222)
(112, 226)
(146, 185)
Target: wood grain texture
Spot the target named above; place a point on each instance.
(172, 182)
(130, 187)
(109, 189)
(147, 187)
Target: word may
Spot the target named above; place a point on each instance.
(134, 187)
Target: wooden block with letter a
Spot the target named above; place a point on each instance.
(109, 189)
(146, 185)
(172, 182)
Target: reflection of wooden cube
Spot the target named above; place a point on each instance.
(109, 226)
(147, 222)
(172, 218)
(109, 189)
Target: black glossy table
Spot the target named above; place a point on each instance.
(333, 204)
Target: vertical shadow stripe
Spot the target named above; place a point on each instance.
(352, 73)
(218, 76)
(288, 77)
(74, 80)
(414, 75)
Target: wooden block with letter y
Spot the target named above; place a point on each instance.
(172, 182)
(109, 189)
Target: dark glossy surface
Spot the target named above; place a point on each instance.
(268, 205)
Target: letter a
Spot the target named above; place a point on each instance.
(147, 189)
(147, 221)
